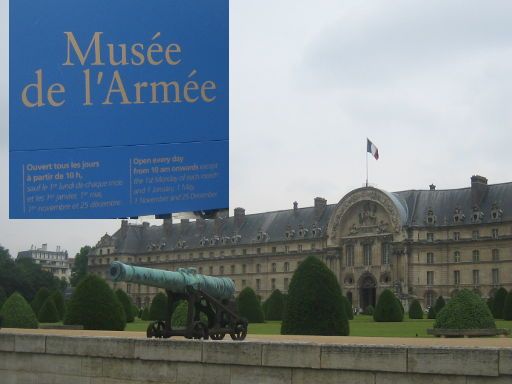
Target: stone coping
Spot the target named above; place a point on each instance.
(468, 332)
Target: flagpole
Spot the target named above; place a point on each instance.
(367, 168)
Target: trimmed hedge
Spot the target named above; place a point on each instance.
(58, 299)
(17, 313)
(465, 311)
(499, 303)
(439, 305)
(274, 306)
(507, 309)
(249, 306)
(39, 299)
(347, 307)
(431, 313)
(314, 305)
(48, 312)
(127, 305)
(415, 311)
(388, 308)
(95, 306)
(158, 308)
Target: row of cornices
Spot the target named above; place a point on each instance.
(477, 216)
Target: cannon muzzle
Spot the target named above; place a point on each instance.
(177, 282)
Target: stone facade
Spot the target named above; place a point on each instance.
(57, 262)
(419, 243)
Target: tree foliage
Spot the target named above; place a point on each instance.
(274, 306)
(58, 299)
(145, 314)
(507, 309)
(431, 313)
(439, 305)
(17, 313)
(415, 311)
(126, 302)
(95, 306)
(3, 297)
(41, 296)
(158, 309)
(249, 306)
(499, 303)
(465, 311)
(314, 305)
(48, 312)
(80, 267)
(388, 308)
(347, 307)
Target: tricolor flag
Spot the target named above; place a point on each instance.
(371, 148)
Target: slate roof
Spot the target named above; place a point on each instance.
(277, 226)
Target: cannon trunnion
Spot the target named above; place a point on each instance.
(211, 296)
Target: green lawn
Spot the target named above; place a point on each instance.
(360, 326)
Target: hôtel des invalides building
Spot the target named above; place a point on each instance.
(418, 243)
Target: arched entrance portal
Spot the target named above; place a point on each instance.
(367, 290)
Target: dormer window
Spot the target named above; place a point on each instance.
(496, 212)
(290, 234)
(431, 218)
(477, 215)
(458, 216)
(214, 240)
(316, 231)
(204, 242)
(303, 232)
(181, 244)
(225, 240)
(235, 239)
(262, 236)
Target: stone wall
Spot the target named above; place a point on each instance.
(49, 359)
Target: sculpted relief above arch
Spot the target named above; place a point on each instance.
(364, 210)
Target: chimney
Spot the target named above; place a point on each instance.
(320, 204)
(167, 226)
(57, 249)
(145, 226)
(124, 227)
(478, 189)
(432, 187)
(295, 206)
(45, 247)
(239, 217)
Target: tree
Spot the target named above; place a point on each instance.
(3, 297)
(388, 308)
(440, 303)
(42, 295)
(58, 299)
(127, 305)
(314, 305)
(415, 311)
(17, 313)
(249, 306)
(145, 314)
(79, 270)
(499, 303)
(431, 313)
(48, 312)
(158, 309)
(507, 309)
(347, 307)
(274, 306)
(95, 306)
(465, 311)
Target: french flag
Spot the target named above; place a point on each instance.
(371, 148)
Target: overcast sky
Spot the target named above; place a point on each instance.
(429, 82)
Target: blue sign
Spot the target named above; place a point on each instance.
(118, 108)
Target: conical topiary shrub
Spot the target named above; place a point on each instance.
(17, 313)
(415, 311)
(127, 305)
(274, 306)
(465, 311)
(58, 299)
(158, 308)
(145, 314)
(314, 305)
(439, 305)
(388, 308)
(431, 313)
(48, 312)
(499, 303)
(39, 299)
(507, 309)
(347, 307)
(95, 306)
(369, 310)
(249, 306)
(180, 314)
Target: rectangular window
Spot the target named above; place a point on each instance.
(386, 252)
(476, 276)
(456, 235)
(200, 270)
(286, 249)
(313, 246)
(210, 270)
(128, 288)
(244, 268)
(456, 257)
(232, 269)
(349, 253)
(475, 235)
(456, 277)
(286, 283)
(258, 284)
(367, 254)
(274, 249)
(476, 256)
(430, 258)
(430, 277)
(495, 255)
(243, 283)
(495, 276)
(286, 266)
(233, 251)
(258, 268)
(221, 270)
(274, 267)
(300, 247)
(430, 236)
(258, 250)
(495, 233)
(273, 282)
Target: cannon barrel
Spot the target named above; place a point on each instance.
(177, 282)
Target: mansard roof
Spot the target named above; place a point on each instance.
(311, 222)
